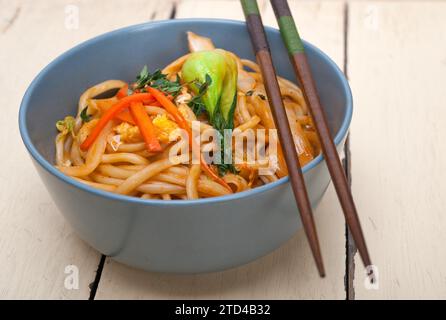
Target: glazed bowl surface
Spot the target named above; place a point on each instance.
(172, 236)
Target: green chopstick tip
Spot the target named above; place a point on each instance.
(290, 35)
(250, 7)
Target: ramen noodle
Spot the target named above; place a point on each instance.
(152, 138)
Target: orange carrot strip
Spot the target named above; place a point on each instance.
(125, 116)
(145, 126)
(111, 113)
(123, 92)
(172, 109)
(156, 103)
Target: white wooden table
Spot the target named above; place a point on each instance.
(394, 53)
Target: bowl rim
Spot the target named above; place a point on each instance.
(49, 167)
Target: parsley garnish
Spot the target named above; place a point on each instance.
(170, 87)
(196, 103)
(143, 78)
(159, 81)
(223, 168)
(198, 107)
(84, 116)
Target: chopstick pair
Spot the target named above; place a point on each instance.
(299, 61)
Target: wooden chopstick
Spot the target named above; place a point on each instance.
(302, 69)
(263, 56)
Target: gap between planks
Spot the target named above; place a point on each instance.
(350, 247)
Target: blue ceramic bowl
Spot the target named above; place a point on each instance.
(172, 236)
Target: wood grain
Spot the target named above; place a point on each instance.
(398, 162)
(288, 272)
(36, 244)
(397, 67)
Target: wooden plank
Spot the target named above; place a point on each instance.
(36, 244)
(289, 272)
(397, 66)
(307, 15)
(211, 9)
